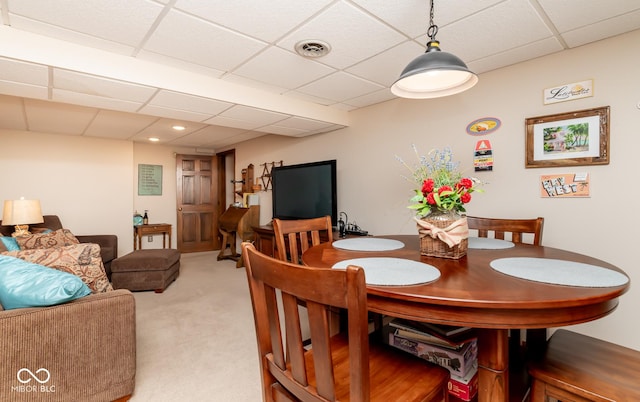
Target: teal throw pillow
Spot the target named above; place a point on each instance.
(25, 284)
(10, 243)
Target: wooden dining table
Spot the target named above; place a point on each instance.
(469, 292)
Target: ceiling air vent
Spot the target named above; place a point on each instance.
(312, 48)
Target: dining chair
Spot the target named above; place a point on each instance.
(347, 366)
(517, 229)
(294, 237)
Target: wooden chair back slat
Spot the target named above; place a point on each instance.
(516, 227)
(294, 237)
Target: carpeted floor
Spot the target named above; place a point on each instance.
(196, 341)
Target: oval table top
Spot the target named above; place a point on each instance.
(470, 292)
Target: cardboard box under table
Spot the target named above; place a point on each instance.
(153, 269)
(458, 362)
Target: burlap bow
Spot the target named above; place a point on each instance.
(452, 234)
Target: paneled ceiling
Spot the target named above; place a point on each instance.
(228, 70)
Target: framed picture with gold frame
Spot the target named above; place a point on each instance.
(568, 139)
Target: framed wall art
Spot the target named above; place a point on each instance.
(149, 179)
(568, 139)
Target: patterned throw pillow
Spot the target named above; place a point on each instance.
(56, 239)
(82, 260)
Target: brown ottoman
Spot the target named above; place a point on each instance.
(146, 270)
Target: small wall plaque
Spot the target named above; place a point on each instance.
(149, 179)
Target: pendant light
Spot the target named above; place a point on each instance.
(434, 73)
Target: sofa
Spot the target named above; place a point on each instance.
(108, 243)
(79, 350)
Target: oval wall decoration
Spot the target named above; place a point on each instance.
(483, 126)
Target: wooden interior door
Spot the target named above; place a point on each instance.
(198, 203)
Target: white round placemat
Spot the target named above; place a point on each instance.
(387, 271)
(368, 244)
(488, 243)
(559, 272)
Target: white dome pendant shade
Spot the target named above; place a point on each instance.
(434, 73)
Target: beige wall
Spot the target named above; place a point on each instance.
(92, 183)
(85, 181)
(372, 193)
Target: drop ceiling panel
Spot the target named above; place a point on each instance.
(275, 64)
(24, 90)
(111, 124)
(603, 29)
(122, 21)
(275, 129)
(235, 139)
(339, 87)
(515, 16)
(100, 102)
(58, 118)
(258, 117)
(385, 68)
(28, 73)
(571, 14)
(230, 122)
(197, 41)
(372, 98)
(99, 86)
(207, 134)
(180, 101)
(173, 113)
(413, 18)
(352, 35)
(303, 124)
(68, 35)
(267, 20)
(540, 48)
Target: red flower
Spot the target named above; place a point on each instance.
(464, 183)
(465, 198)
(444, 188)
(431, 199)
(427, 186)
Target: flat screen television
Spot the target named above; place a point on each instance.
(304, 191)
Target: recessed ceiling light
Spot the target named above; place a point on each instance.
(178, 127)
(154, 139)
(312, 48)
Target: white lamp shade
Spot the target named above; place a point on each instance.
(21, 212)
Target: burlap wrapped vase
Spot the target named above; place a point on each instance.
(443, 235)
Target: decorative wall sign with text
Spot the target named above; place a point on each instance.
(568, 92)
(483, 156)
(149, 179)
(564, 185)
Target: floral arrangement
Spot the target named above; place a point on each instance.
(441, 187)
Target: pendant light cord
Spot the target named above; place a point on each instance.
(433, 28)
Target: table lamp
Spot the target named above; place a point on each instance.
(21, 213)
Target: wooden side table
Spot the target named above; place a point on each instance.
(139, 231)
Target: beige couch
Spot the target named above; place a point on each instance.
(88, 347)
(84, 350)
